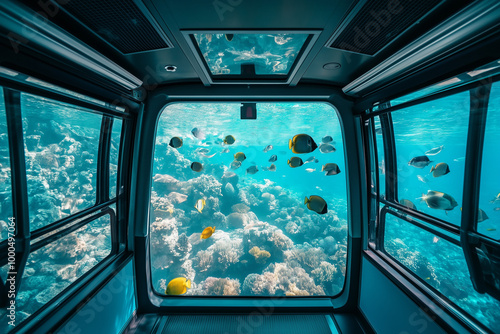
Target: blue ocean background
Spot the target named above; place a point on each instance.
(299, 252)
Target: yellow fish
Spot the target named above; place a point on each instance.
(178, 286)
(302, 144)
(229, 140)
(200, 204)
(491, 229)
(316, 204)
(207, 233)
(240, 156)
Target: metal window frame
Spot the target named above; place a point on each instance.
(467, 231)
(12, 95)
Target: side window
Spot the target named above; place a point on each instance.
(430, 140)
(61, 146)
(246, 206)
(489, 197)
(6, 210)
(439, 262)
(54, 264)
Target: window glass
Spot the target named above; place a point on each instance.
(114, 153)
(266, 241)
(61, 145)
(6, 209)
(430, 142)
(52, 268)
(380, 155)
(270, 53)
(489, 196)
(440, 264)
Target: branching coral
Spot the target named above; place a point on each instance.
(261, 256)
(213, 286)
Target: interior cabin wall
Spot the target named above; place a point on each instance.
(109, 310)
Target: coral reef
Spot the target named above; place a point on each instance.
(213, 286)
(260, 255)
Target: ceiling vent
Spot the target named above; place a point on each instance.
(121, 23)
(378, 23)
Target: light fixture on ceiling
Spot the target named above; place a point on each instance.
(171, 68)
(332, 66)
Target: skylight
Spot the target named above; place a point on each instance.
(271, 54)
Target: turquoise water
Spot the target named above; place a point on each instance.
(266, 242)
(271, 54)
(439, 263)
(300, 253)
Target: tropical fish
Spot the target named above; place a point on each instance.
(327, 139)
(310, 159)
(218, 141)
(496, 209)
(310, 170)
(207, 233)
(235, 164)
(422, 178)
(497, 198)
(435, 240)
(409, 204)
(240, 156)
(435, 150)
(226, 150)
(316, 160)
(316, 204)
(331, 169)
(196, 166)
(229, 37)
(330, 166)
(208, 156)
(326, 148)
(302, 144)
(420, 161)
(271, 168)
(178, 286)
(202, 150)
(268, 148)
(295, 162)
(252, 170)
(273, 158)
(200, 204)
(198, 133)
(459, 159)
(175, 142)
(481, 215)
(491, 229)
(439, 200)
(229, 140)
(440, 169)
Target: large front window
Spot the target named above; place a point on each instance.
(228, 200)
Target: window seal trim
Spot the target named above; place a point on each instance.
(479, 97)
(31, 88)
(102, 179)
(19, 189)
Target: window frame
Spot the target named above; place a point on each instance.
(467, 231)
(25, 239)
(349, 253)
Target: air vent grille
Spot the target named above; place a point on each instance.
(119, 22)
(256, 324)
(379, 22)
